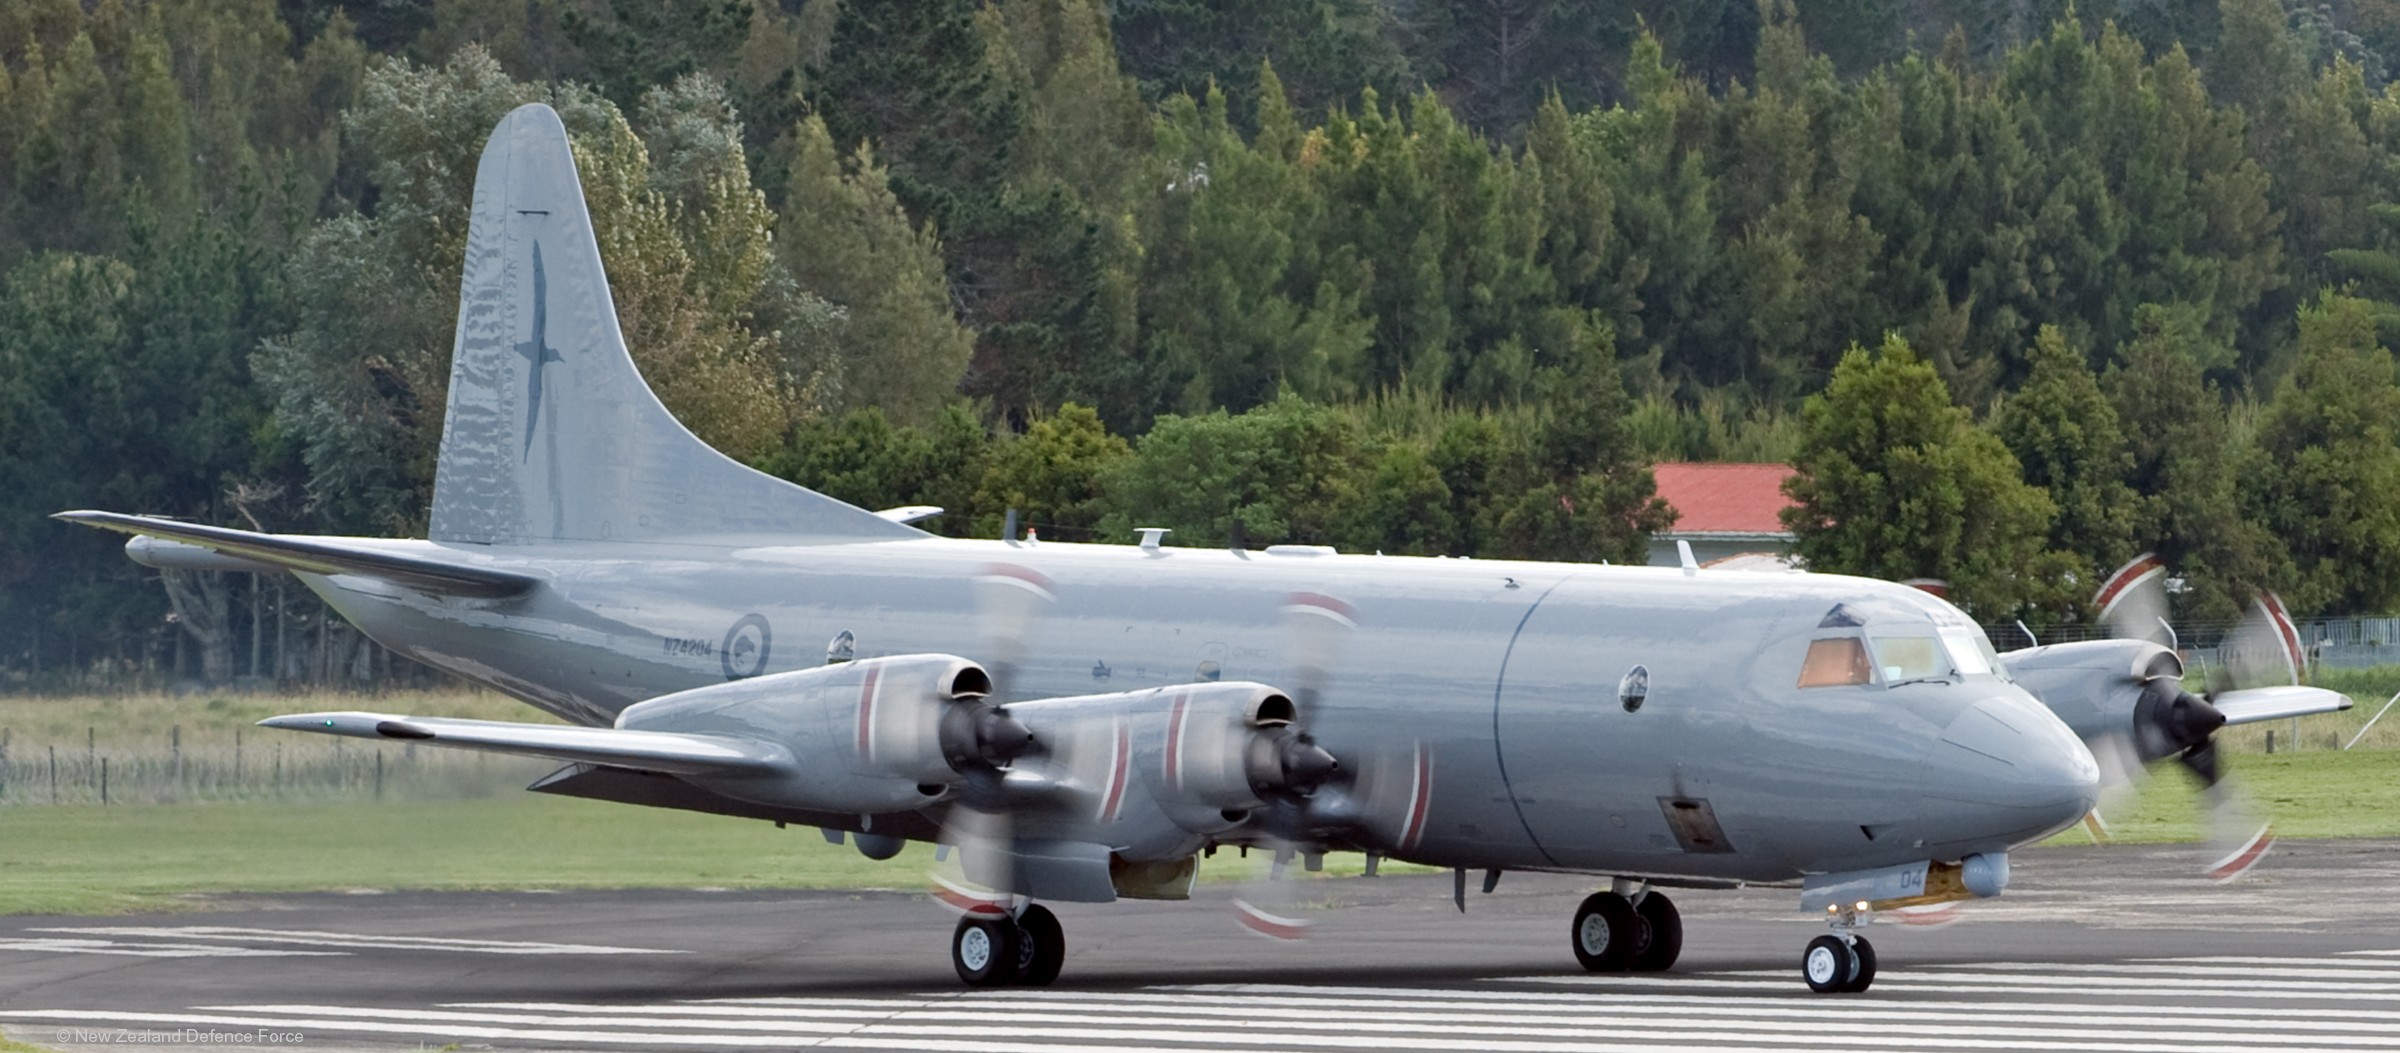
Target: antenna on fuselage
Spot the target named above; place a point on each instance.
(1237, 539)
(1008, 530)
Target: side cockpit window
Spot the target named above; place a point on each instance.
(1836, 662)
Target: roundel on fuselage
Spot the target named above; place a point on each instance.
(746, 644)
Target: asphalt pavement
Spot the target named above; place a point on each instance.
(2118, 948)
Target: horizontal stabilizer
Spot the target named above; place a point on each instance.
(319, 555)
(674, 753)
(2252, 704)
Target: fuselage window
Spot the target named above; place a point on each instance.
(1836, 662)
(1911, 658)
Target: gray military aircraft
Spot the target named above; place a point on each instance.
(1088, 720)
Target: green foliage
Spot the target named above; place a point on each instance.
(1577, 489)
(846, 239)
(1284, 470)
(2325, 475)
(1460, 271)
(2183, 468)
(862, 458)
(1895, 482)
(1053, 475)
(2065, 435)
(360, 381)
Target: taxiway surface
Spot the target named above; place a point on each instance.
(2118, 949)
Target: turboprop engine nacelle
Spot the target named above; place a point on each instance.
(875, 735)
(1233, 747)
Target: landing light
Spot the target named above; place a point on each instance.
(1862, 906)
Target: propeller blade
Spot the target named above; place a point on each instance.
(2264, 650)
(1317, 626)
(2239, 837)
(2133, 601)
(1009, 600)
(1266, 903)
(2096, 827)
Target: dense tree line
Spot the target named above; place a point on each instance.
(1430, 278)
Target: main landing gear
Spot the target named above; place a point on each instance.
(1841, 962)
(1627, 930)
(993, 949)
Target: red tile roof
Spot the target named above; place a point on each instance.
(1725, 498)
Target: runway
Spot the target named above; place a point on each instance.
(2117, 949)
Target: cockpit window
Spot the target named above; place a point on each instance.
(1836, 662)
(1911, 658)
(1973, 652)
(1965, 652)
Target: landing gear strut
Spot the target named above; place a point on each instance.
(1842, 961)
(1614, 932)
(990, 950)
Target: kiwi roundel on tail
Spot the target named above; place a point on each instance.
(551, 433)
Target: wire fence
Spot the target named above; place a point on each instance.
(2329, 643)
(246, 769)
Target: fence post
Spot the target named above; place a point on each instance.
(104, 782)
(379, 775)
(175, 761)
(54, 775)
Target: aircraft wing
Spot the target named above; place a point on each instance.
(319, 555)
(674, 753)
(2274, 703)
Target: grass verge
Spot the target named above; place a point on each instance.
(89, 860)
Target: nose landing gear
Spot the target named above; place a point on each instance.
(1842, 961)
(1627, 929)
(996, 948)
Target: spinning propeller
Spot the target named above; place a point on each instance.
(1236, 764)
(2260, 669)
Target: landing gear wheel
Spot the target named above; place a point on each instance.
(1666, 934)
(1608, 935)
(984, 949)
(1864, 952)
(1828, 965)
(1041, 947)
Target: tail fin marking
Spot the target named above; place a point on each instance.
(540, 364)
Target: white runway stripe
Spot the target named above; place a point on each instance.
(1649, 1017)
(146, 950)
(234, 934)
(2070, 1009)
(998, 1038)
(2002, 983)
(1652, 989)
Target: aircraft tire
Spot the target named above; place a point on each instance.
(1864, 972)
(1828, 965)
(1607, 934)
(1666, 934)
(1041, 947)
(984, 950)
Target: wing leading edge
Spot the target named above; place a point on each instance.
(2252, 704)
(673, 753)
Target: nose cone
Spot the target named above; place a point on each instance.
(2012, 772)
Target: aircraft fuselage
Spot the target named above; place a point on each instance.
(1514, 673)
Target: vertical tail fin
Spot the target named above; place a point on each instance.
(552, 435)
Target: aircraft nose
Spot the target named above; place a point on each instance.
(2010, 755)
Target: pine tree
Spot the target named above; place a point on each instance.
(1895, 482)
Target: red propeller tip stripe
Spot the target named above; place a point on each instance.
(1271, 926)
(2243, 858)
